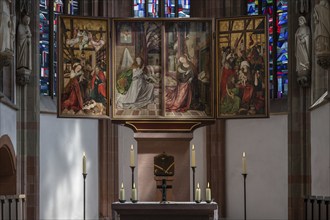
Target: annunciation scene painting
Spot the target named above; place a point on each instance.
(162, 69)
(83, 67)
(137, 69)
(242, 56)
(188, 69)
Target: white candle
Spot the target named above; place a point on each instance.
(208, 196)
(132, 159)
(134, 193)
(84, 164)
(244, 163)
(198, 193)
(122, 192)
(193, 156)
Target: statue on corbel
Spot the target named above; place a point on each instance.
(321, 17)
(7, 33)
(303, 52)
(24, 50)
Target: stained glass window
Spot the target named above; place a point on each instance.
(277, 12)
(44, 46)
(49, 10)
(161, 8)
(184, 8)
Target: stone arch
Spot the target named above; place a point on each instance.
(7, 167)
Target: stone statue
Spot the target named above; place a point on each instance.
(303, 52)
(24, 51)
(24, 44)
(5, 25)
(322, 26)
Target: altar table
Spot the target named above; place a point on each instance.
(165, 211)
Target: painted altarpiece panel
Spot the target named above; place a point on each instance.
(166, 73)
(242, 67)
(83, 74)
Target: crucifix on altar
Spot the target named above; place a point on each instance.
(164, 172)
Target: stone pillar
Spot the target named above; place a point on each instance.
(28, 126)
(216, 162)
(299, 129)
(108, 167)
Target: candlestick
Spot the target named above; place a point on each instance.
(198, 194)
(132, 168)
(134, 194)
(132, 157)
(193, 170)
(193, 156)
(244, 177)
(84, 209)
(84, 163)
(244, 164)
(122, 194)
(208, 197)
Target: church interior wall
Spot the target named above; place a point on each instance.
(320, 150)
(8, 123)
(265, 142)
(62, 143)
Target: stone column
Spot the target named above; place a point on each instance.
(299, 129)
(108, 167)
(28, 126)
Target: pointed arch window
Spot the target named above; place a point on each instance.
(277, 12)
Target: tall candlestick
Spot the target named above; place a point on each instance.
(193, 156)
(132, 159)
(198, 194)
(122, 193)
(84, 164)
(244, 164)
(208, 196)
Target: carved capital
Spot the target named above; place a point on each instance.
(23, 76)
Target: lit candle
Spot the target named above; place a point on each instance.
(244, 163)
(132, 162)
(84, 164)
(193, 156)
(122, 192)
(134, 193)
(198, 193)
(208, 193)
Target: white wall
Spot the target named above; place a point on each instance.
(265, 142)
(62, 143)
(320, 150)
(8, 123)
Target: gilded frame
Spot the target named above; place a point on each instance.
(242, 67)
(83, 67)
